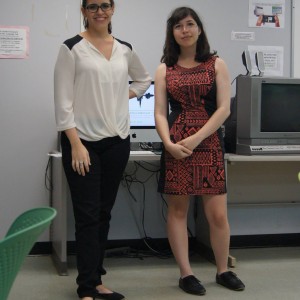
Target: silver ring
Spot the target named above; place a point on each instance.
(81, 162)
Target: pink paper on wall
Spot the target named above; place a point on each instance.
(14, 42)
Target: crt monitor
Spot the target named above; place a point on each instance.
(142, 123)
(268, 119)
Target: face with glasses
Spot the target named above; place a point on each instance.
(94, 7)
(97, 13)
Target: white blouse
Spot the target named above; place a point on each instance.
(91, 92)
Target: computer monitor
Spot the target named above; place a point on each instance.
(268, 119)
(142, 123)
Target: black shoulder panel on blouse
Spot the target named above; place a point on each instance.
(125, 43)
(70, 43)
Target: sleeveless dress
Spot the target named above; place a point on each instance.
(191, 94)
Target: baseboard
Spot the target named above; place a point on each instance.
(120, 246)
(265, 240)
(41, 248)
(113, 246)
(162, 245)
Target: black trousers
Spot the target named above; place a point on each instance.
(93, 197)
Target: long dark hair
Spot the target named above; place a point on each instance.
(85, 21)
(171, 48)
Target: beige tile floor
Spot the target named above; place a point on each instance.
(269, 273)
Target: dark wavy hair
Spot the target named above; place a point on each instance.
(85, 21)
(171, 49)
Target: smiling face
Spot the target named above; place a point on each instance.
(186, 32)
(98, 14)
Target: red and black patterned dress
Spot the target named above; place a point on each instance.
(192, 97)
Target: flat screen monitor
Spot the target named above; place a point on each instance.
(142, 122)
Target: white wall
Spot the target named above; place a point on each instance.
(296, 39)
(144, 22)
(26, 103)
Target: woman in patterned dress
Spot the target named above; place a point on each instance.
(195, 83)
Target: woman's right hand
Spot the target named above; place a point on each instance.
(80, 159)
(178, 151)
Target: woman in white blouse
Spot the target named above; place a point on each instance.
(91, 108)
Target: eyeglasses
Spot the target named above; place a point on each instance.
(189, 26)
(95, 7)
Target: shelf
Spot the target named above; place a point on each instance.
(276, 158)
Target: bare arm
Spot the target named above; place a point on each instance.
(222, 111)
(161, 111)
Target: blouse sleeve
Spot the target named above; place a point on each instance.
(64, 73)
(140, 77)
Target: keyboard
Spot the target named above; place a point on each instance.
(141, 152)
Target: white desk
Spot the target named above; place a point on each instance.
(260, 184)
(140, 155)
(242, 190)
(262, 179)
(229, 157)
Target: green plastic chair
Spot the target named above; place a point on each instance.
(18, 241)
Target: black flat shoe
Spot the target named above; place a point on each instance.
(230, 281)
(110, 296)
(102, 271)
(191, 285)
